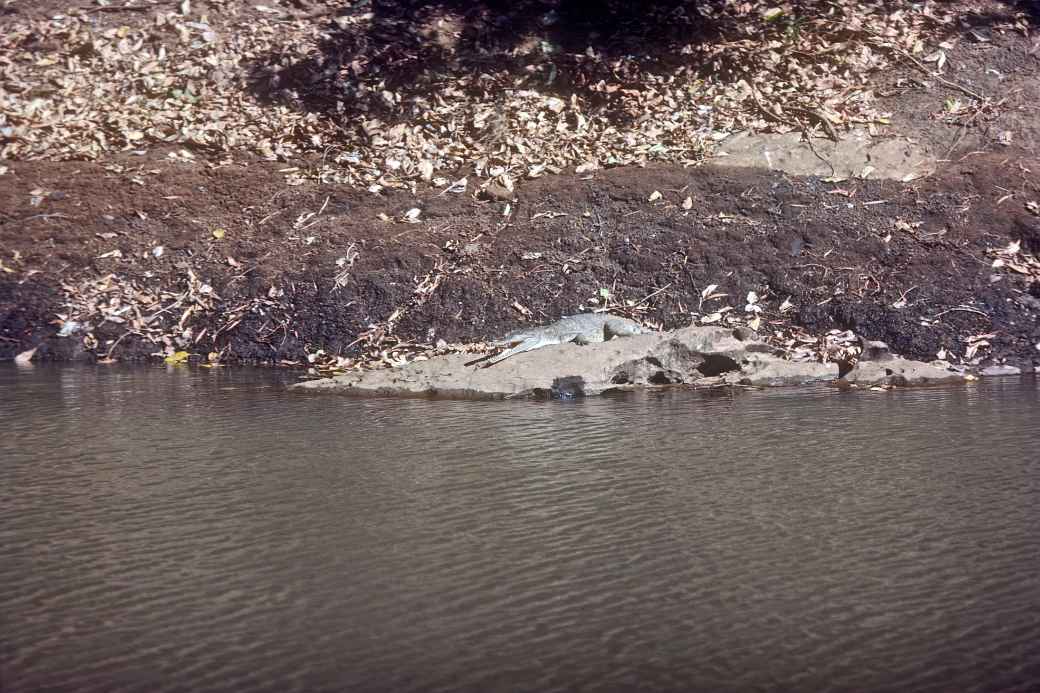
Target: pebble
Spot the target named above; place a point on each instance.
(1000, 370)
(494, 191)
(1029, 301)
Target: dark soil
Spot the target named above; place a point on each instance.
(818, 243)
(998, 63)
(833, 248)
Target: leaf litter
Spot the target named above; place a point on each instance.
(230, 79)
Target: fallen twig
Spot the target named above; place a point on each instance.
(924, 68)
(651, 295)
(54, 215)
(118, 8)
(966, 124)
(112, 348)
(964, 309)
(802, 127)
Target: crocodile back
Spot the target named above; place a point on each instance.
(587, 328)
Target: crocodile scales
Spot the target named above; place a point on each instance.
(586, 328)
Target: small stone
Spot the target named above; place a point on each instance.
(1000, 370)
(743, 334)
(1028, 301)
(69, 328)
(496, 192)
(874, 350)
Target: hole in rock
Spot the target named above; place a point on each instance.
(716, 364)
(663, 378)
(568, 387)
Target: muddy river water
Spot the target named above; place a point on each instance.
(175, 529)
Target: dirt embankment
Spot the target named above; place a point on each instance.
(312, 267)
(180, 248)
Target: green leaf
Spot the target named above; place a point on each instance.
(177, 358)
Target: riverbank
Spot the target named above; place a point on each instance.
(307, 268)
(156, 249)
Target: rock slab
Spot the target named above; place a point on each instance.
(564, 370)
(690, 356)
(856, 155)
(900, 372)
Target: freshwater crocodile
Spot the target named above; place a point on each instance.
(586, 328)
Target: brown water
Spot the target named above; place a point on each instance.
(185, 530)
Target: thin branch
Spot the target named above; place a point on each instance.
(651, 295)
(924, 68)
(963, 309)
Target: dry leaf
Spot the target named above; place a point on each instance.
(25, 357)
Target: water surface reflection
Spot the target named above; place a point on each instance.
(208, 531)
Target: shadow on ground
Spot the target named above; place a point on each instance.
(386, 53)
(388, 58)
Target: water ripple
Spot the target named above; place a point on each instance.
(166, 531)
